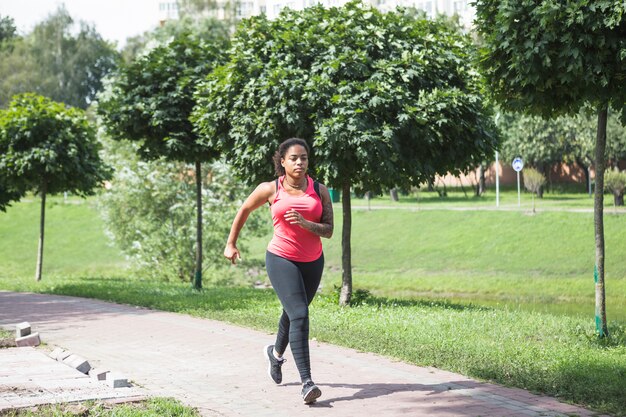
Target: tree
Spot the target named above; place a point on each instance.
(205, 28)
(549, 57)
(615, 182)
(386, 100)
(540, 143)
(59, 61)
(7, 29)
(569, 139)
(8, 193)
(48, 148)
(533, 181)
(151, 99)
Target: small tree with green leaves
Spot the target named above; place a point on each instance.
(386, 99)
(48, 148)
(151, 99)
(551, 57)
(615, 182)
(533, 181)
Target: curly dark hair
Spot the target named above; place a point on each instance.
(282, 150)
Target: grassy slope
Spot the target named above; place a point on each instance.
(438, 251)
(74, 243)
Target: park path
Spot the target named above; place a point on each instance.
(219, 368)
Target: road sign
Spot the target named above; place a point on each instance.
(517, 165)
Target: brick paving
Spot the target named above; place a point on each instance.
(219, 368)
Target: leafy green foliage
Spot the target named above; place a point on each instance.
(45, 145)
(539, 142)
(7, 29)
(150, 99)
(385, 99)
(149, 215)
(565, 139)
(533, 180)
(615, 182)
(58, 61)
(205, 28)
(552, 57)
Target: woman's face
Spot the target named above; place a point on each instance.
(295, 161)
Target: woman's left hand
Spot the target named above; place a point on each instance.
(293, 217)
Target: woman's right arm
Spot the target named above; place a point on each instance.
(261, 194)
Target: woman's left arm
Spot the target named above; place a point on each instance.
(325, 227)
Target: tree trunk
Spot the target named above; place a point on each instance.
(598, 207)
(394, 194)
(42, 222)
(346, 251)
(197, 281)
(480, 188)
(618, 199)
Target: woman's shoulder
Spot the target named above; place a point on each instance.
(268, 186)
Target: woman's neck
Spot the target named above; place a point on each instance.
(296, 183)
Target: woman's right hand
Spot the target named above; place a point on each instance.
(231, 252)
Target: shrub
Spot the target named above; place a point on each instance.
(533, 181)
(615, 182)
(149, 211)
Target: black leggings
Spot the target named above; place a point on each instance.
(295, 284)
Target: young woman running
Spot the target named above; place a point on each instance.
(294, 260)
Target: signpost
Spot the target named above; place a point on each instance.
(497, 182)
(518, 165)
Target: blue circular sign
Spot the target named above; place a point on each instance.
(517, 164)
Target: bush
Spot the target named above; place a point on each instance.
(533, 181)
(615, 182)
(150, 212)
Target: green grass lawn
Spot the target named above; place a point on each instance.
(432, 273)
(74, 243)
(508, 200)
(542, 262)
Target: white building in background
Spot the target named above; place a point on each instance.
(246, 8)
(168, 10)
(431, 7)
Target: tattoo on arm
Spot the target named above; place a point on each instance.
(325, 227)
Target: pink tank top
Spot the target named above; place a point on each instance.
(291, 241)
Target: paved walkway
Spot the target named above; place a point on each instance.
(219, 368)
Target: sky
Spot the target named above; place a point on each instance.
(115, 20)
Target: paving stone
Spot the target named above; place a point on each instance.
(35, 379)
(78, 362)
(116, 380)
(30, 340)
(22, 329)
(57, 352)
(98, 374)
